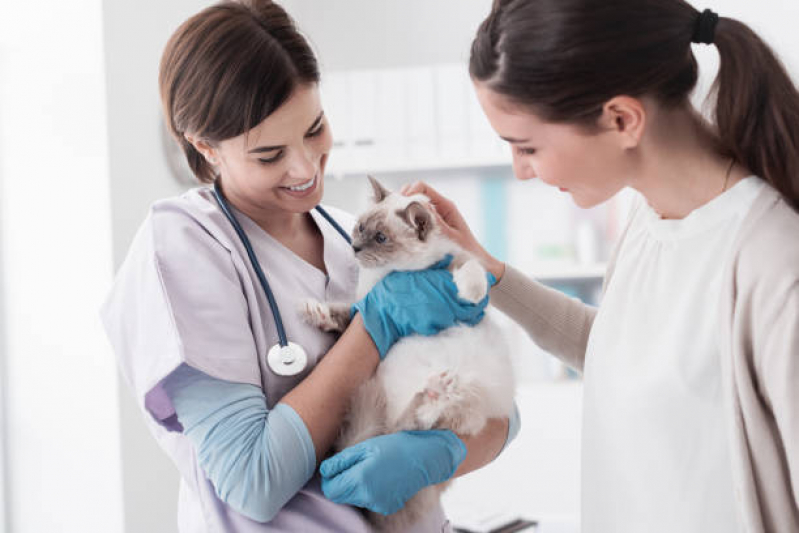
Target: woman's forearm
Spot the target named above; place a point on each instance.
(484, 447)
(323, 398)
(559, 324)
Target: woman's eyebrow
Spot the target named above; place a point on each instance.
(271, 148)
(265, 149)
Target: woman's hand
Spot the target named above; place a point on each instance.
(421, 302)
(384, 472)
(455, 227)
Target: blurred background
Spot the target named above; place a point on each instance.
(83, 154)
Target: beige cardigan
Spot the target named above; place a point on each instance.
(759, 338)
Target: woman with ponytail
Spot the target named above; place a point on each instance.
(691, 362)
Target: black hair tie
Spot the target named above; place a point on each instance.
(705, 27)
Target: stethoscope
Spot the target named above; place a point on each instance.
(286, 358)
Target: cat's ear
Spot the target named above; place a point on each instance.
(419, 218)
(380, 191)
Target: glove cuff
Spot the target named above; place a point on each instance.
(456, 449)
(383, 334)
(445, 456)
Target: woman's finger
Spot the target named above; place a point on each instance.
(423, 188)
(448, 230)
(343, 460)
(444, 206)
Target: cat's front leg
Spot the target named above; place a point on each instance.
(325, 316)
(470, 278)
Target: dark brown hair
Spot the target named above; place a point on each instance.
(563, 59)
(226, 69)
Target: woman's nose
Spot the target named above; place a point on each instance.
(522, 169)
(304, 164)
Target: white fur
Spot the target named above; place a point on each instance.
(457, 379)
(469, 368)
(471, 281)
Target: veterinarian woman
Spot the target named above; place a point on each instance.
(194, 330)
(691, 362)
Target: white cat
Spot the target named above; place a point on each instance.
(457, 379)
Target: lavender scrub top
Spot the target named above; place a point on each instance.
(187, 294)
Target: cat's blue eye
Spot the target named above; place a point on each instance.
(380, 238)
(360, 228)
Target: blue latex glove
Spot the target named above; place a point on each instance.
(420, 302)
(384, 472)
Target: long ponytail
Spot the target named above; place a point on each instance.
(757, 108)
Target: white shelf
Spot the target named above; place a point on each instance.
(396, 120)
(418, 165)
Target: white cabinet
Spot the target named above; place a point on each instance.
(403, 119)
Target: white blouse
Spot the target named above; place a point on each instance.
(655, 455)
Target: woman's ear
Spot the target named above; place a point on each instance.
(202, 146)
(626, 117)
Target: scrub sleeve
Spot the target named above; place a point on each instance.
(184, 295)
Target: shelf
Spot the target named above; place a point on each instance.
(421, 166)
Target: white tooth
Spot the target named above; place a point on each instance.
(304, 186)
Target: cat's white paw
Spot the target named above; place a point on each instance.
(441, 386)
(471, 281)
(449, 403)
(317, 314)
(436, 397)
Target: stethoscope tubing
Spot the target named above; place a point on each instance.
(220, 198)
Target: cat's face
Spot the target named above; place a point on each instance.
(394, 231)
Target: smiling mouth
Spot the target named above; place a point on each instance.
(303, 186)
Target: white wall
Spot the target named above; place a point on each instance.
(4, 527)
(362, 34)
(62, 442)
(135, 35)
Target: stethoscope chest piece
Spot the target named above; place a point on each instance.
(287, 360)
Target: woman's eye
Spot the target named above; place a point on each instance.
(380, 238)
(525, 151)
(317, 131)
(272, 159)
